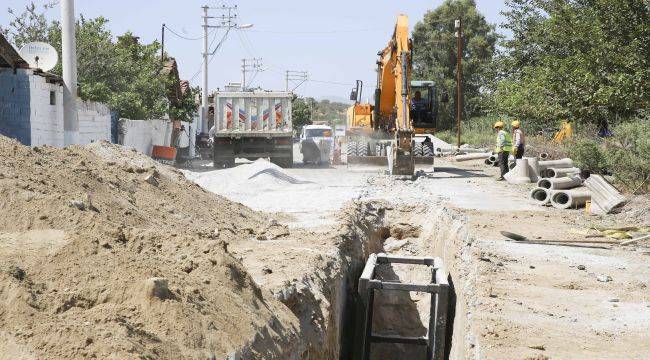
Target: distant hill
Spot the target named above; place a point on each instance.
(326, 110)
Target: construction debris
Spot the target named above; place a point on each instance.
(605, 197)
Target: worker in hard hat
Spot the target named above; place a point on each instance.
(503, 147)
(519, 139)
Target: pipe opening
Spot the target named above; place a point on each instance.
(540, 195)
(562, 198)
(544, 183)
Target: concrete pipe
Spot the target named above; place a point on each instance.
(488, 162)
(512, 165)
(543, 156)
(541, 196)
(559, 173)
(563, 183)
(557, 164)
(605, 197)
(533, 168)
(518, 174)
(477, 156)
(566, 199)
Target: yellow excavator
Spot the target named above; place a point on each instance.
(397, 128)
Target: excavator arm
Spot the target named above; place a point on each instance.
(393, 98)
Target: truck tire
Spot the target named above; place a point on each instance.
(427, 150)
(417, 149)
(352, 148)
(221, 163)
(283, 162)
(362, 148)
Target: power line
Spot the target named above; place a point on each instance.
(317, 32)
(182, 36)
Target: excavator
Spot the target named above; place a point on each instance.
(397, 128)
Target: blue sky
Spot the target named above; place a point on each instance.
(336, 41)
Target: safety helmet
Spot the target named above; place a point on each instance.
(516, 123)
(499, 124)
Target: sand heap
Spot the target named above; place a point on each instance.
(105, 253)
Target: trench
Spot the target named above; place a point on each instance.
(376, 227)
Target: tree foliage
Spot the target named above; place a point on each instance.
(582, 60)
(300, 113)
(122, 73)
(435, 54)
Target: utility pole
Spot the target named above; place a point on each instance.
(459, 77)
(254, 64)
(69, 66)
(295, 76)
(226, 21)
(162, 46)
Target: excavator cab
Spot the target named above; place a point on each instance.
(424, 106)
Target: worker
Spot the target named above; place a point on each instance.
(503, 148)
(519, 139)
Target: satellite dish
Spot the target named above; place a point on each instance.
(39, 55)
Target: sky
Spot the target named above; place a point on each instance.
(335, 41)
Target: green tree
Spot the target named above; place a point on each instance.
(435, 54)
(124, 74)
(300, 114)
(583, 60)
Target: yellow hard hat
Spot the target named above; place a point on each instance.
(516, 123)
(499, 124)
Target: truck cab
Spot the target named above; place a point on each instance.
(316, 143)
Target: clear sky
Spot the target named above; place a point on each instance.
(336, 41)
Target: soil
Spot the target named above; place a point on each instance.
(105, 253)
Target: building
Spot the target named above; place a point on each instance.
(31, 105)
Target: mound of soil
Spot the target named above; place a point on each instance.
(105, 253)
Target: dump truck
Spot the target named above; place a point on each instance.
(398, 128)
(252, 125)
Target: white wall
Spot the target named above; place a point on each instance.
(46, 120)
(142, 135)
(94, 122)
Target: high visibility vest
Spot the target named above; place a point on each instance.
(507, 143)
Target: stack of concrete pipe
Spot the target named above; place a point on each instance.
(559, 185)
(493, 160)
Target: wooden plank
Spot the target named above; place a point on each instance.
(394, 259)
(367, 328)
(395, 339)
(440, 314)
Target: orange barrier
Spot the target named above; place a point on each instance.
(163, 153)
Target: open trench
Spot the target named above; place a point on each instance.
(327, 303)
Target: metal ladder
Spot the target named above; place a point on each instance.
(438, 288)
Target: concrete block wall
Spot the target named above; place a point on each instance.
(15, 112)
(94, 122)
(46, 119)
(28, 114)
(142, 135)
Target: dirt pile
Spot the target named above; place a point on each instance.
(105, 253)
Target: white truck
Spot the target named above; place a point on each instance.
(316, 144)
(252, 125)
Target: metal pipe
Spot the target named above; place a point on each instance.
(566, 199)
(69, 67)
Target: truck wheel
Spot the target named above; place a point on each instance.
(352, 148)
(417, 150)
(362, 149)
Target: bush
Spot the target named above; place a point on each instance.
(587, 154)
(627, 154)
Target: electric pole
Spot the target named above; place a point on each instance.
(226, 20)
(69, 67)
(295, 76)
(459, 77)
(249, 65)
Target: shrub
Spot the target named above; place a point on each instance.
(587, 154)
(627, 154)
